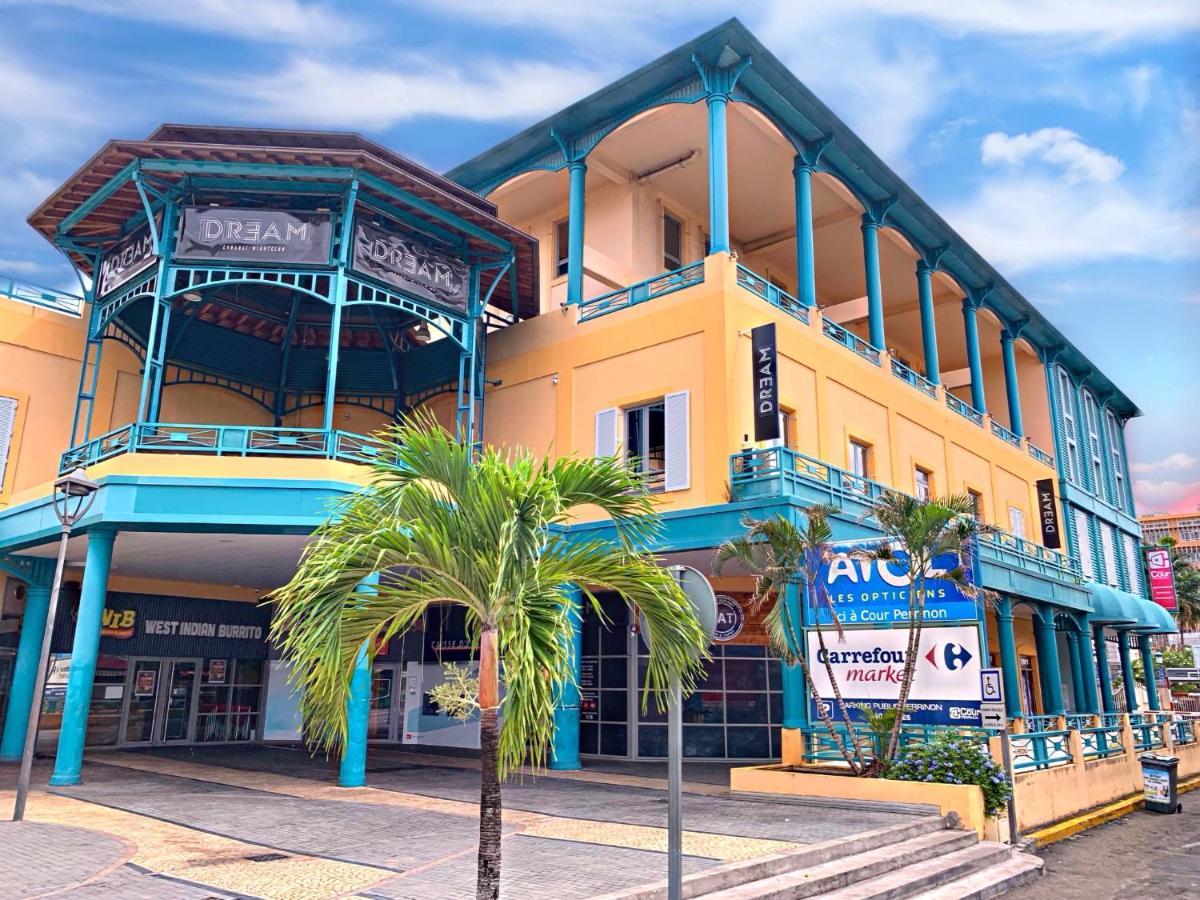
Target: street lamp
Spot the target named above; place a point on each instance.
(73, 496)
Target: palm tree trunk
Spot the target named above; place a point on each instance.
(916, 608)
(487, 884)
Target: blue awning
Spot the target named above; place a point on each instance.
(1122, 609)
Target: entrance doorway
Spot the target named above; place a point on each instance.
(162, 702)
(387, 702)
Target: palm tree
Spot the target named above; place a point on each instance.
(779, 553)
(440, 524)
(1187, 587)
(919, 532)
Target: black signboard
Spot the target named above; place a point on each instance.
(1048, 514)
(271, 236)
(156, 625)
(764, 375)
(133, 255)
(411, 265)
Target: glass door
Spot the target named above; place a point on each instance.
(143, 702)
(176, 710)
(383, 704)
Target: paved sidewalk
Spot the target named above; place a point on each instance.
(267, 822)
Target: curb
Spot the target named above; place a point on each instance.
(1052, 834)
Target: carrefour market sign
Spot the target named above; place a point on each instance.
(866, 591)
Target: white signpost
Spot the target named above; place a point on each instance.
(991, 699)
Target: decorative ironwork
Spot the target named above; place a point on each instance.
(360, 292)
(319, 285)
(922, 384)
(651, 288)
(784, 471)
(1101, 741)
(1040, 749)
(1007, 545)
(964, 409)
(108, 307)
(1004, 434)
(1040, 455)
(849, 340)
(776, 296)
(43, 297)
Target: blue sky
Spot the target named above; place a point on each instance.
(1059, 136)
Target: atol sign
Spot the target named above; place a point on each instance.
(869, 664)
(1162, 577)
(865, 591)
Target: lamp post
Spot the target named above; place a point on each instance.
(73, 496)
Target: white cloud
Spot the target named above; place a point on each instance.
(268, 21)
(20, 266)
(1056, 146)
(314, 92)
(1166, 496)
(1140, 82)
(1175, 462)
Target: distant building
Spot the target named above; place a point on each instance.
(1184, 527)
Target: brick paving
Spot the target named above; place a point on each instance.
(268, 822)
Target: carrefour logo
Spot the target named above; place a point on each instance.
(954, 656)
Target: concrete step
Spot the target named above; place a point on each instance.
(840, 874)
(990, 882)
(731, 874)
(927, 874)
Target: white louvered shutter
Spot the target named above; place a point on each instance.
(676, 449)
(1133, 565)
(606, 432)
(8, 422)
(1083, 535)
(1109, 549)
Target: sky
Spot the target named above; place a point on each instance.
(1059, 137)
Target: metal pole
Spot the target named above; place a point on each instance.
(1014, 836)
(39, 685)
(675, 793)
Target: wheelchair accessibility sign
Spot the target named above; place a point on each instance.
(991, 697)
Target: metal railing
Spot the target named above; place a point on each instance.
(819, 744)
(222, 440)
(920, 382)
(1006, 544)
(642, 291)
(1040, 749)
(1004, 434)
(964, 409)
(43, 297)
(1147, 730)
(1078, 721)
(792, 469)
(1040, 455)
(773, 294)
(1101, 741)
(1182, 731)
(849, 340)
(1040, 723)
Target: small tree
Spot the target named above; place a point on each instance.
(919, 532)
(1187, 587)
(778, 553)
(440, 526)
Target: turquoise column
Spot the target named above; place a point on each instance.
(577, 175)
(718, 173)
(564, 750)
(1077, 689)
(68, 763)
(352, 770)
(870, 237)
(806, 261)
(1011, 386)
(1100, 654)
(1148, 672)
(1131, 704)
(1087, 672)
(933, 370)
(1009, 665)
(795, 691)
(1048, 670)
(24, 677)
(974, 361)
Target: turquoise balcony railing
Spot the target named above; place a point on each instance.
(1101, 741)
(849, 340)
(44, 297)
(1040, 749)
(1004, 434)
(905, 374)
(643, 291)
(222, 440)
(773, 294)
(966, 410)
(1040, 455)
(1183, 732)
(1147, 730)
(1078, 721)
(1007, 547)
(781, 471)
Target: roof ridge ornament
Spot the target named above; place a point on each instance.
(719, 81)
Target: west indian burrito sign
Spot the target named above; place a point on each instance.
(864, 591)
(868, 665)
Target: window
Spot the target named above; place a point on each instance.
(860, 459)
(561, 251)
(923, 482)
(785, 431)
(1066, 407)
(1117, 458)
(645, 441)
(976, 499)
(1091, 417)
(672, 242)
(706, 242)
(1108, 547)
(1016, 521)
(1083, 537)
(8, 423)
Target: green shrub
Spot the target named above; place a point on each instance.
(954, 759)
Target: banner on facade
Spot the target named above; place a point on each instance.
(866, 591)
(411, 265)
(1048, 514)
(764, 365)
(131, 257)
(868, 665)
(1162, 577)
(270, 236)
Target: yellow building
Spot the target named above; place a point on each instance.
(1183, 528)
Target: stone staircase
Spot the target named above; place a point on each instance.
(926, 858)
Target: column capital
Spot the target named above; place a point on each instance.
(1012, 330)
(574, 155)
(808, 153)
(976, 297)
(876, 211)
(719, 81)
(35, 571)
(929, 261)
